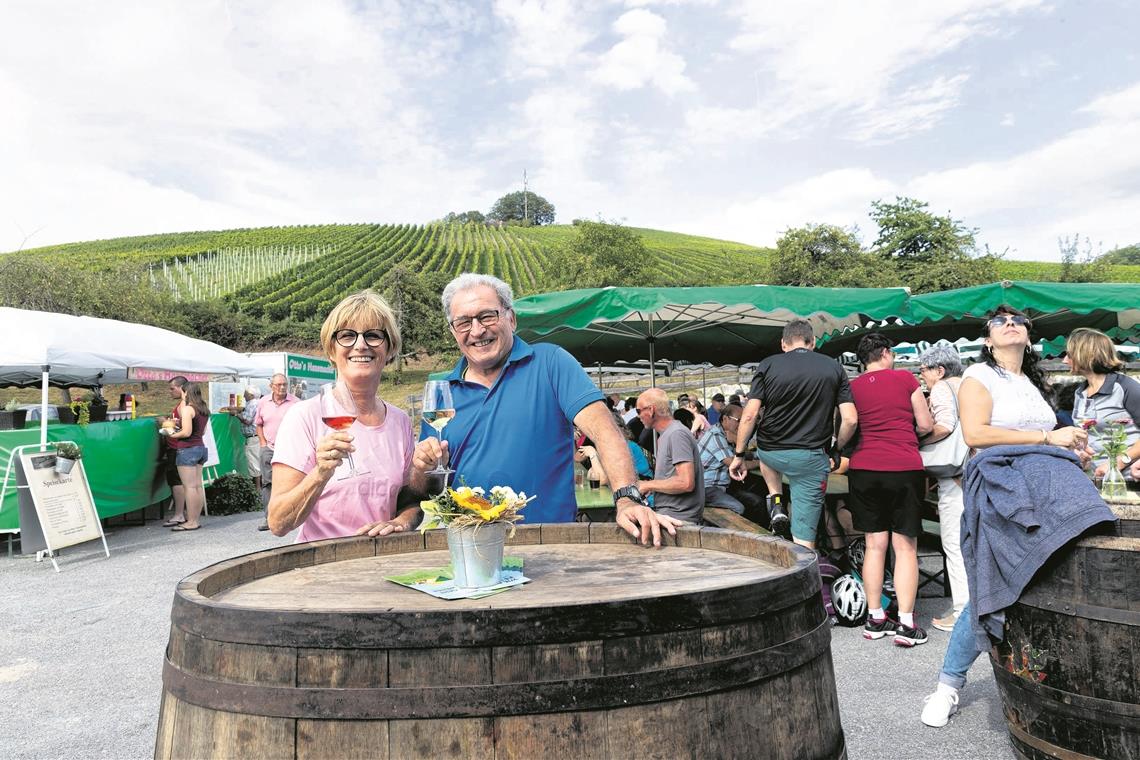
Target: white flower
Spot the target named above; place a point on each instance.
(477, 490)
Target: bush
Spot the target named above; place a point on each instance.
(231, 494)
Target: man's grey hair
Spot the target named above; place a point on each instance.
(942, 355)
(252, 391)
(469, 280)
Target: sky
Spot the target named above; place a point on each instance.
(734, 119)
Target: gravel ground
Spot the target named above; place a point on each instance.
(81, 655)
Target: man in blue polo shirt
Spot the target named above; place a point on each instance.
(515, 408)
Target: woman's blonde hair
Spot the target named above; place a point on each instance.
(1091, 350)
(366, 308)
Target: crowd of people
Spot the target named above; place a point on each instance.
(527, 415)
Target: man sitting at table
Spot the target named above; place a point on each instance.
(716, 456)
(678, 479)
(515, 405)
(751, 491)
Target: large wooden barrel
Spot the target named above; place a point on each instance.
(1069, 668)
(717, 646)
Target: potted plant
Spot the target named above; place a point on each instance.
(476, 530)
(82, 411)
(66, 455)
(13, 418)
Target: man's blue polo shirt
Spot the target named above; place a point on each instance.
(520, 431)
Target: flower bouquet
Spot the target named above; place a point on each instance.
(1113, 439)
(476, 529)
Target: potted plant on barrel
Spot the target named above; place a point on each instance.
(13, 418)
(66, 455)
(476, 529)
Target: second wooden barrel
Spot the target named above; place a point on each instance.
(1069, 668)
(717, 646)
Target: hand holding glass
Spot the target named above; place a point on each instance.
(439, 409)
(338, 411)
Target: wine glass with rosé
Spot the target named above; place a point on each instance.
(338, 412)
(439, 409)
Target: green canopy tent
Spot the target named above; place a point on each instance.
(719, 325)
(1056, 308)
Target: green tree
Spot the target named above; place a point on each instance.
(602, 254)
(824, 255)
(527, 208)
(1079, 263)
(415, 299)
(931, 252)
(475, 217)
(119, 290)
(1129, 254)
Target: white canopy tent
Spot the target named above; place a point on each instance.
(41, 348)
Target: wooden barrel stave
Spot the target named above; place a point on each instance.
(1068, 667)
(716, 688)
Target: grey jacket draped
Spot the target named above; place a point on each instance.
(1022, 503)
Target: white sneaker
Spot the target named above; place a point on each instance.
(939, 707)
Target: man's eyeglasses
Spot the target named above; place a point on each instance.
(372, 338)
(1001, 320)
(488, 318)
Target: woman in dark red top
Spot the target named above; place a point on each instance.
(190, 453)
(886, 483)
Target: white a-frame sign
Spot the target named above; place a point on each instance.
(56, 510)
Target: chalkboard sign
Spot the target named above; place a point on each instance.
(56, 510)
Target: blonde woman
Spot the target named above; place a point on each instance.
(1106, 396)
(360, 336)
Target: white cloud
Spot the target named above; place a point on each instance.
(210, 115)
(916, 109)
(853, 60)
(1083, 181)
(547, 36)
(841, 197)
(1008, 120)
(642, 57)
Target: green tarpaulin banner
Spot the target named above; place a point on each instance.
(122, 460)
(720, 325)
(1056, 308)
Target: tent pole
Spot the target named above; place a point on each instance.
(43, 408)
(652, 361)
(704, 385)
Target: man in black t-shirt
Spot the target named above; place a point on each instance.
(799, 391)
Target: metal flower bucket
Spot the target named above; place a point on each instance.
(63, 466)
(477, 554)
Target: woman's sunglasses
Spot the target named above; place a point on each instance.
(1001, 320)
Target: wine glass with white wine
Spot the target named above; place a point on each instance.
(439, 410)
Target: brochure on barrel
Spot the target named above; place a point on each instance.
(440, 583)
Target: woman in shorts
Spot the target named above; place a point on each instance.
(887, 482)
(190, 452)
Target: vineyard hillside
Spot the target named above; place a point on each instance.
(299, 272)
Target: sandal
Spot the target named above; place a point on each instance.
(171, 523)
(183, 528)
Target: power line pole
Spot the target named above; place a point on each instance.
(524, 198)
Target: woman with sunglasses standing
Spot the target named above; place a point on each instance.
(311, 490)
(1002, 401)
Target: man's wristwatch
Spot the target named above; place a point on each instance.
(631, 493)
(741, 454)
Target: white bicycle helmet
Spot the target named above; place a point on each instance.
(849, 600)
